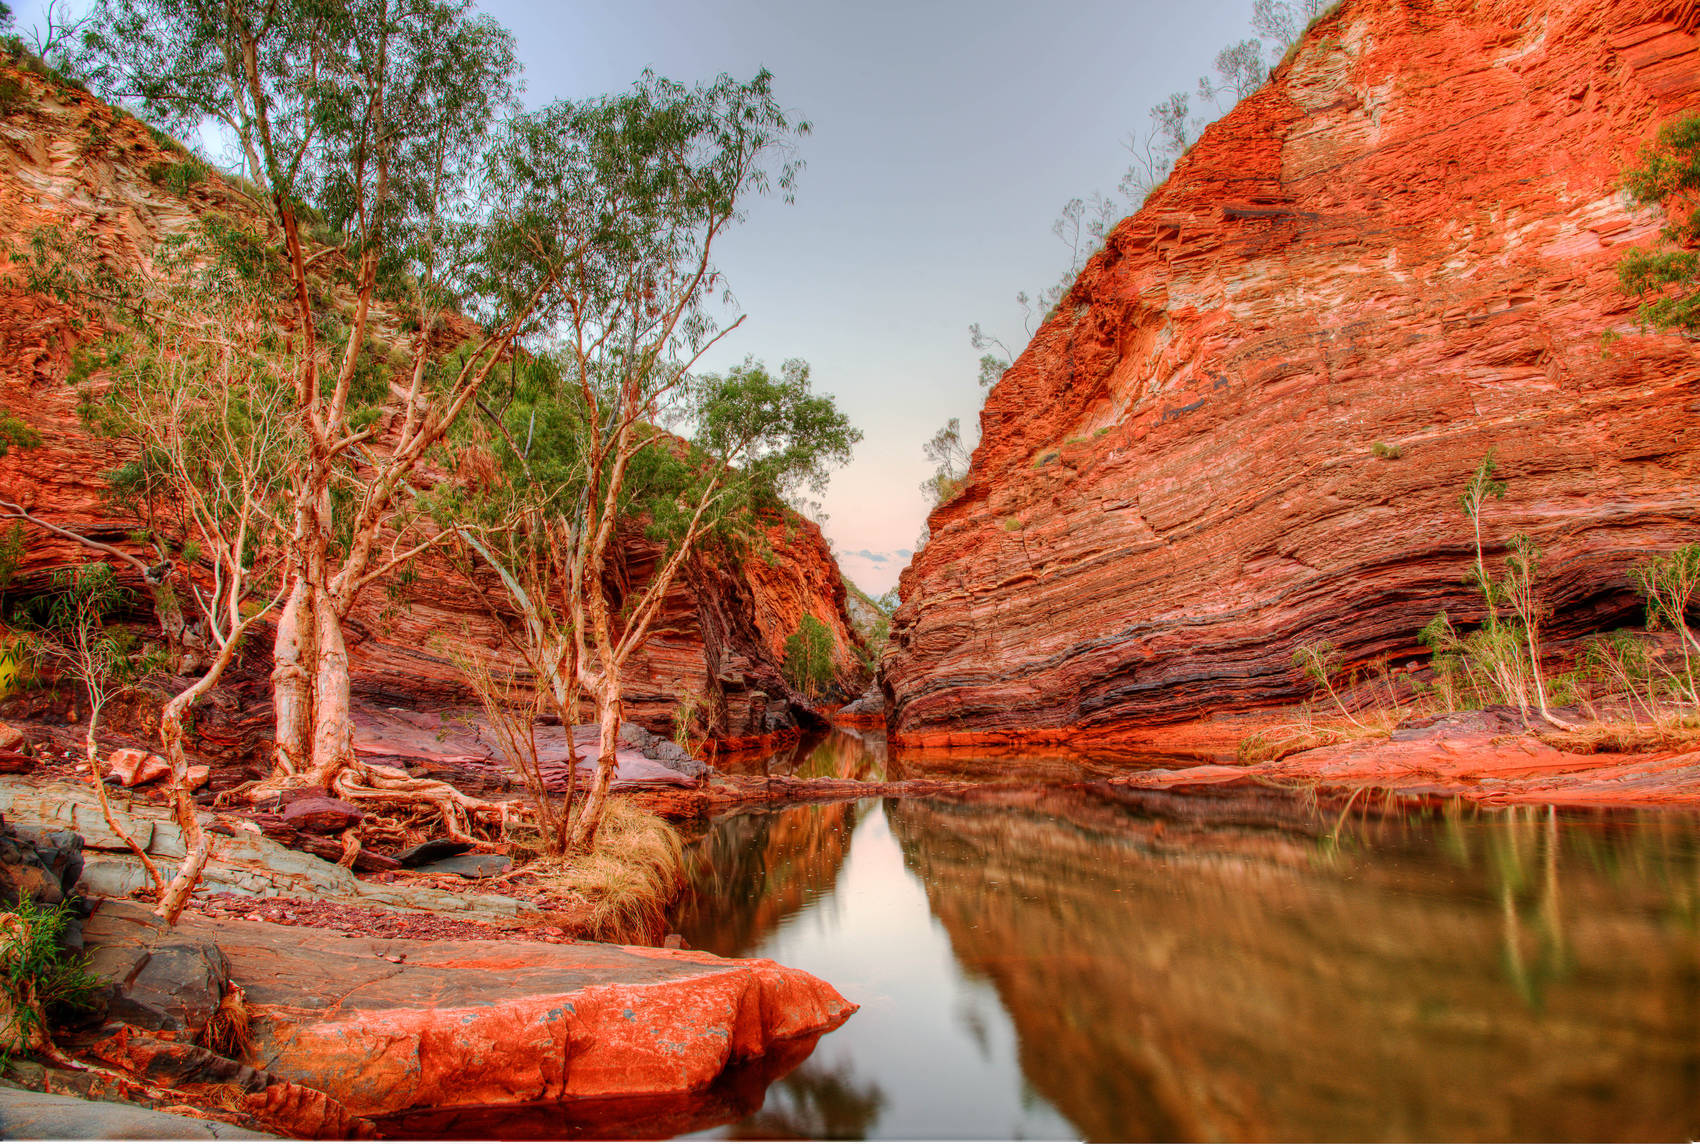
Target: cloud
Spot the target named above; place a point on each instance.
(871, 557)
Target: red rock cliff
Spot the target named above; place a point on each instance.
(1406, 238)
(67, 160)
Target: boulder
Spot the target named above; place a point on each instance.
(133, 767)
(40, 865)
(384, 1025)
(11, 739)
(160, 980)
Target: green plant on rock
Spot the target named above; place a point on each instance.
(1667, 277)
(1670, 583)
(1322, 662)
(808, 657)
(40, 982)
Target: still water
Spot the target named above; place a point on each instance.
(1079, 960)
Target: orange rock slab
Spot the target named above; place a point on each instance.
(384, 1026)
(1247, 424)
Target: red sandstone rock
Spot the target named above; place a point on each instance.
(722, 629)
(1407, 238)
(469, 1023)
(133, 767)
(321, 815)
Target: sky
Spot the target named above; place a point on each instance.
(947, 136)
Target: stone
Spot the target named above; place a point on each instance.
(322, 815)
(132, 767)
(461, 1024)
(38, 865)
(468, 865)
(157, 979)
(27, 1115)
(12, 739)
(1247, 423)
(433, 850)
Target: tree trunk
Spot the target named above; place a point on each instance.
(106, 807)
(196, 844)
(333, 715)
(292, 692)
(610, 709)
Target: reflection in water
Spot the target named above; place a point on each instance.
(1240, 964)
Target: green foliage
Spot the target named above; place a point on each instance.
(1669, 584)
(15, 433)
(808, 657)
(1385, 451)
(11, 553)
(181, 177)
(1668, 277)
(41, 983)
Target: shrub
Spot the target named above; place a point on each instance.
(39, 981)
(1385, 451)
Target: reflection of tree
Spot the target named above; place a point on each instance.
(815, 1103)
(755, 868)
(1322, 970)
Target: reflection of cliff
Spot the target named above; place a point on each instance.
(1507, 977)
(756, 868)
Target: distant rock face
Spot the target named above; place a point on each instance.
(1248, 423)
(67, 160)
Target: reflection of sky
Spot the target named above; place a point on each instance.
(938, 1046)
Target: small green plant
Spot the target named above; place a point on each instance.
(1046, 457)
(808, 657)
(1385, 451)
(1322, 662)
(1012, 524)
(40, 982)
(14, 96)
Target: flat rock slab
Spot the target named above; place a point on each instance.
(28, 1115)
(245, 863)
(389, 1025)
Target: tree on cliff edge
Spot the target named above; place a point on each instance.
(1668, 279)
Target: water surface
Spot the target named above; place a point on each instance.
(1243, 964)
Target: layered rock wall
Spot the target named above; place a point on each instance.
(69, 161)
(1248, 423)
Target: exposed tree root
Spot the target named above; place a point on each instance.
(396, 791)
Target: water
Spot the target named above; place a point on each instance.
(1082, 961)
(1065, 958)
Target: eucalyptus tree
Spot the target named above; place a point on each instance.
(363, 126)
(655, 176)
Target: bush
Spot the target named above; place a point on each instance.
(39, 981)
(808, 657)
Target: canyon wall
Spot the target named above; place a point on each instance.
(1247, 425)
(69, 161)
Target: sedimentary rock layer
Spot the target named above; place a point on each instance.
(1247, 424)
(68, 161)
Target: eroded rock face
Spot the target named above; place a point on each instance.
(68, 161)
(1247, 425)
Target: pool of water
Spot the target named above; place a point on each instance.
(1065, 958)
(1057, 962)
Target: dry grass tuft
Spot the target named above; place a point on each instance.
(627, 881)
(227, 1032)
(1305, 734)
(1625, 738)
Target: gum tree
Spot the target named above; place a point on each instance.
(657, 175)
(366, 123)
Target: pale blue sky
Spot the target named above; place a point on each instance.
(947, 135)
